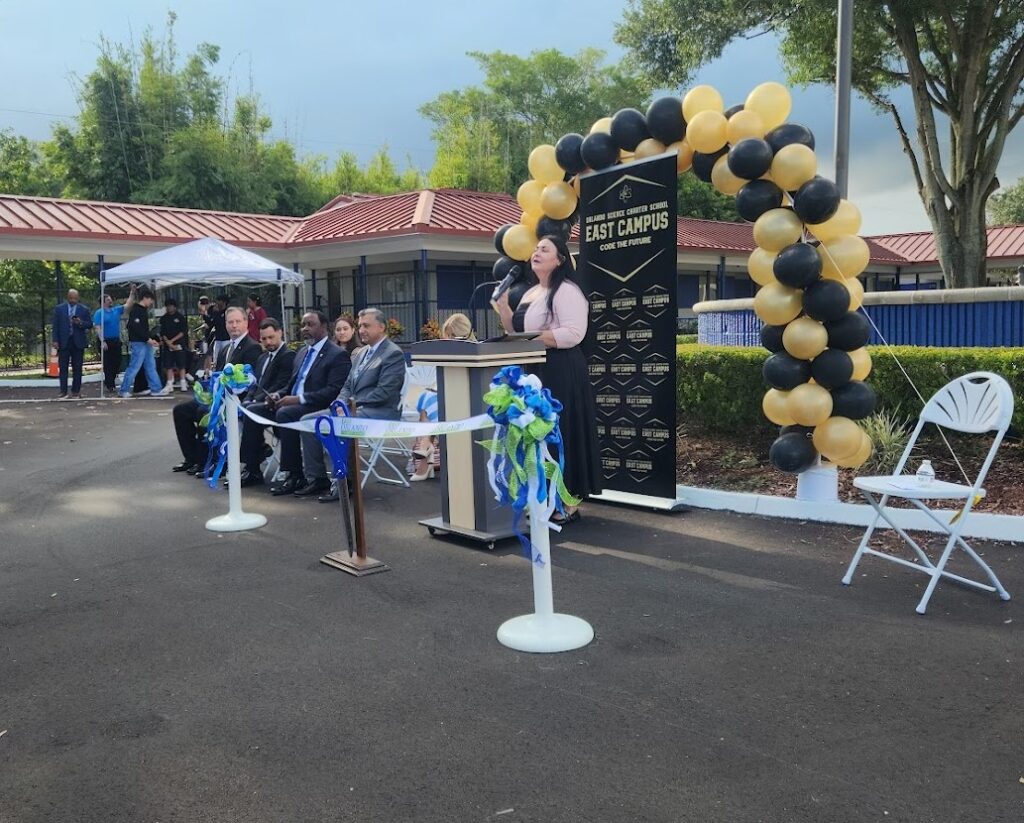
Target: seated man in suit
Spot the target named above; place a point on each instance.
(317, 376)
(241, 349)
(375, 386)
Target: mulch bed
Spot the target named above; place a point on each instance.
(739, 462)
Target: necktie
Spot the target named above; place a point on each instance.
(307, 361)
(231, 352)
(365, 361)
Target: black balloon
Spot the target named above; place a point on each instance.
(793, 453)
(520, 287)
(816, 200)
(784, 372)
(733, 110)
(855, 400)
(826, 300)
(771, 337)
(704, 163)
(559, 228)
(750, 158)
(599, 150)
(832, 368)
(757, 197)
(629, 127)
(797, 266)
(849, 332)
(665, 120)
(499, 235)
(567, 153)
(502, 266)
(787, 134)
(806, 431)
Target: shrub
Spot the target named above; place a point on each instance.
(430, 330)
(889, 432)
(720, 387)
(685, 339)
(395, 328)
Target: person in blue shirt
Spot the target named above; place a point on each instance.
(107, 322)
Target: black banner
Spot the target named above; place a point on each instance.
(628, 252)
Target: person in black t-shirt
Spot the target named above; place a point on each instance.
(142, 356)
(174, 340)
(217, 323)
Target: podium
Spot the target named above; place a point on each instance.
(464, 372)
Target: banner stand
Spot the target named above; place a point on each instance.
(235, 520)
(360, 565)
(543, 631)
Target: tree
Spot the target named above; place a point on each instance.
(24, 168)
(1007, 206)
(697, 199)
(484, 134)
(963, 61)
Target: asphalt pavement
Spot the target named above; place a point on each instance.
(151, 670)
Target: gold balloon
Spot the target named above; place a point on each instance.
(529, 194)
(706, 131)
(543, 165)
(625, 156)
(701, 98)
(775, 407)
(846, 220)
(793, 166)
(859, 457)
(575, 183)
(648, 148)
(684, 156)
(723, 179)
(809, 405)
(519, 242)
(777, 228)
(856, 290)
(530, 219)
(761, 266)
(842, 257)
(776, 304)
(861, 363)
(772, 101)
(558, 200)
(744, 124)
(805, 338)
(604, 124)
(837, 438)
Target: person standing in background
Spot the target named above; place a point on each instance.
(256, 314)
(71, 320)
(174, 338)
(141, 355)
(107, 322)
(216, 323)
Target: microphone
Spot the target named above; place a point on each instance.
(506, 283)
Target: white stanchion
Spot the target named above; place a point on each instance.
(235, 520)
(544, 630)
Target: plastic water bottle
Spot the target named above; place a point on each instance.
(925, 473)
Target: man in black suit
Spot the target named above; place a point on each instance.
(241, 349)
(317, 376)
(274, 368)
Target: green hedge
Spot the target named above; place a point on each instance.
(720, 387)
(686, 338)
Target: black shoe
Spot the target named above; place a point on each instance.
(310, 487)
(185, 466)
(285, 486)
(250, 478)
(195, 468)
(330, 497)
(200, 473)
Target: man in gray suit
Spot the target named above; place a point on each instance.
(374, 384)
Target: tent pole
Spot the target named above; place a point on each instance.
(102, 336)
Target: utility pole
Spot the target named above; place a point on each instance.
(844, 50)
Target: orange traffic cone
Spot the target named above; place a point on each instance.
(53, 369)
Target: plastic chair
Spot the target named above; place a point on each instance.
(382, 449)
(976, 403)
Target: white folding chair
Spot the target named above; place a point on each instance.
(382, 449)
(976, 403)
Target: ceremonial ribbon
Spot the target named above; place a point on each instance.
(232, 380)
(368, 427)
(525, 416)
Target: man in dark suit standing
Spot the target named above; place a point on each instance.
(70, 322)
(317, 376)
(241, 350)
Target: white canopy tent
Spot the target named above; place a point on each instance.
(209, 261)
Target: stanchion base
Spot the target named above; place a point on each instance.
(243, 521)
(356, 566)
(552, 633)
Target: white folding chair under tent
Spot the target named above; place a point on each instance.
(976, 403)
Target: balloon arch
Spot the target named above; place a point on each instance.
(806, 263)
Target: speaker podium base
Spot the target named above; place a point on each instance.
(437, 527)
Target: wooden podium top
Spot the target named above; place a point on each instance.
(470, 354)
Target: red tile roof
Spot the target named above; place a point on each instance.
(355, 217)
(124, 221)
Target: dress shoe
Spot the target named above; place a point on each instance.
(76, 396)
(249, 478)
(308, 488)
(62, 396)
(185, 466)
(285, 486)
(330, 497)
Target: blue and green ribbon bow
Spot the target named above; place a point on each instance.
(213, 394)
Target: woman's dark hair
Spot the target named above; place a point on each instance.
(353, 341)
(563, 271)
(256, 299)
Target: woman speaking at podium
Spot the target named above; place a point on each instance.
(558, 309)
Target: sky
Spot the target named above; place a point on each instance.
(350, 76)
